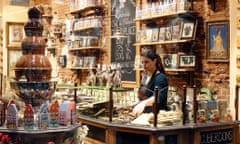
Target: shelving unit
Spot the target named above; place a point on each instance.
(149, 20)
(162, 42)
(86, 38)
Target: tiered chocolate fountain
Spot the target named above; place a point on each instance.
(33, 69)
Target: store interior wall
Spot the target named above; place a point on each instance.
(18, 14)
(234, 51)
(10, 14)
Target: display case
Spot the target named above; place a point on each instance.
(118, 126)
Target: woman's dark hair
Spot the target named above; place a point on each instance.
(150, 52)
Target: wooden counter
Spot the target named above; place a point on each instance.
(116, 133)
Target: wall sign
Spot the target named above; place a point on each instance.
(123, 49)
(217, 137)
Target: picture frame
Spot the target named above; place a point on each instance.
(176, 31)
(238, 4)
(217, 41)
(168, 33)
(238, 61)
(24, 3)
(13, 56)
(15, 34)
(189, 29)
(187, 60)
(238, 22)
(143, 35)
(155, 34)
(238, 41)
(161, 35)
(138, 36)
(170, 61)
(148, 35)
(62, 60)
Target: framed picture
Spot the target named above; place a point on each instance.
(189, 29)
(13, 56)
(62, 60)
(15, 34)
(155, 34)
(161, 35)
(143, 35)
(138, 36)
(176, 32)
(238, 4)
(217, 41)
(187, 60)
(19, 2)
(168, 33)
(238, 22)
(170, 61)
(149, 34)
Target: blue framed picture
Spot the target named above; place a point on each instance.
(217, 40)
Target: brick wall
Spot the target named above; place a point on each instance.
(214, 75)
(79, 76)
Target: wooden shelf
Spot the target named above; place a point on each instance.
(162, 15)
(173, 70)
(32, 68)
(162, 42)
(179, 70)
(86, 48)
(52, 47)
(81, 68)
(65, 86)
(85, 9)
(47, 16)
(88, 140)
(87, 28)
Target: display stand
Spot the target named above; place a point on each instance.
(38, 136)
(118, 133)
(113, 132)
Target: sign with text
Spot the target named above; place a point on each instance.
(217, 137)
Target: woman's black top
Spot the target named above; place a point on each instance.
(147, 90)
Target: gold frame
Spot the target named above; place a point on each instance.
(15, 34)
(13, 56)
(222, 27)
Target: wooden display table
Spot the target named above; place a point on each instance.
(116, 133)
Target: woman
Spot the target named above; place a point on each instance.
(154, 76)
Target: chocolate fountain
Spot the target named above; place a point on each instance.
(33, 69)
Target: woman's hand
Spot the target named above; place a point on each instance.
(138, 109)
